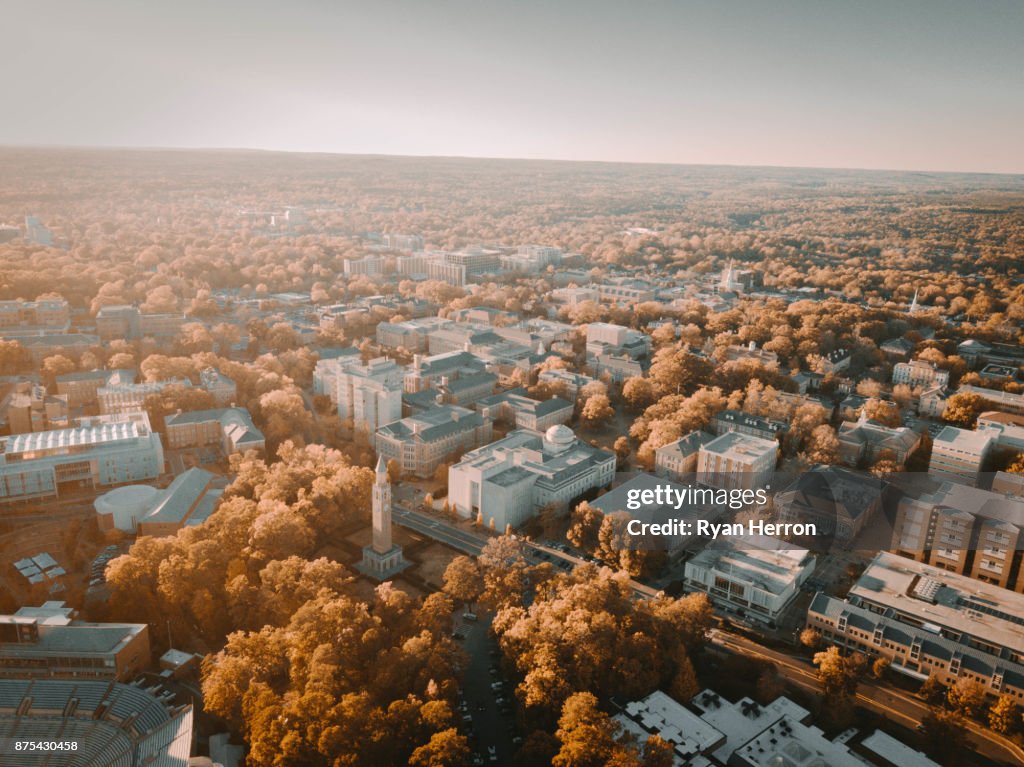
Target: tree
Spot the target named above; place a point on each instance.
(597, 410)
(637, 393)
(966, 697)
(880, 668)
(284, 416)
(810, 638)
(622, 450)
(932, 690)
(445, 749)
(658, 752)
(57, 365)
(394, 471)
(1004, 715)
(837, 673)
(823, 445)
(963, 409)
(584, 527)
(588, 736)
(463, 580)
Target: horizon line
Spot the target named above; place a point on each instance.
(263, 150)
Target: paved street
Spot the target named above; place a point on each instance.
(892, 704)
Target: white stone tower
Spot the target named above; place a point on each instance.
(382, 558)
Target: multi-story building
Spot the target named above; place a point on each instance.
(680, 457)
(188, 501)
(757, 575)
(572, 382)
(32, 409)
(865, 442)
(71, 345)
(422, 442)
(130, 397)
(626, 292)
(515, 407)
(932, 402)
(751, 425)
(49, 642)
(958, 454)
(104, 450)
(229, 428)
(1005, 401)
(1008, 428)
(82, 388)
(30, 317)
(411, 242)
(368, 265)
(918, 373)
(964, 530)
(411, 335)
(128, 322)
(606, 339)
(508, 481)
(573, 296)
(461, 378)
(929, 622)
(737, 461)
(371, 394)
(113, 724)
(837, 501)
(531, 258)
(36, 232)
(459, 267)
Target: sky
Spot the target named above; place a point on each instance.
(896, 84)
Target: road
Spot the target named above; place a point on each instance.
(892, 704)
(895, 705)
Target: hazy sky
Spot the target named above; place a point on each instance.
(917, 84)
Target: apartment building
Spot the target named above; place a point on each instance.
(420, 443)
(929, 622)
(963, 530)
(959, 454)
(370, 395)
(103, 450)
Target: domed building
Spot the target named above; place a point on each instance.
(123, 507)
(147, 510)
(510, 480)
(558, 439)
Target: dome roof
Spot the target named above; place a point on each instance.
(127, 504)
(560, 434)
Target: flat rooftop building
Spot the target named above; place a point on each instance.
(103, 450)
(49, 642)
(756, 574)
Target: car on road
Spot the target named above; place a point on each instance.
(471, 617)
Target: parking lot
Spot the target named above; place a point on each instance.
(487, 708)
